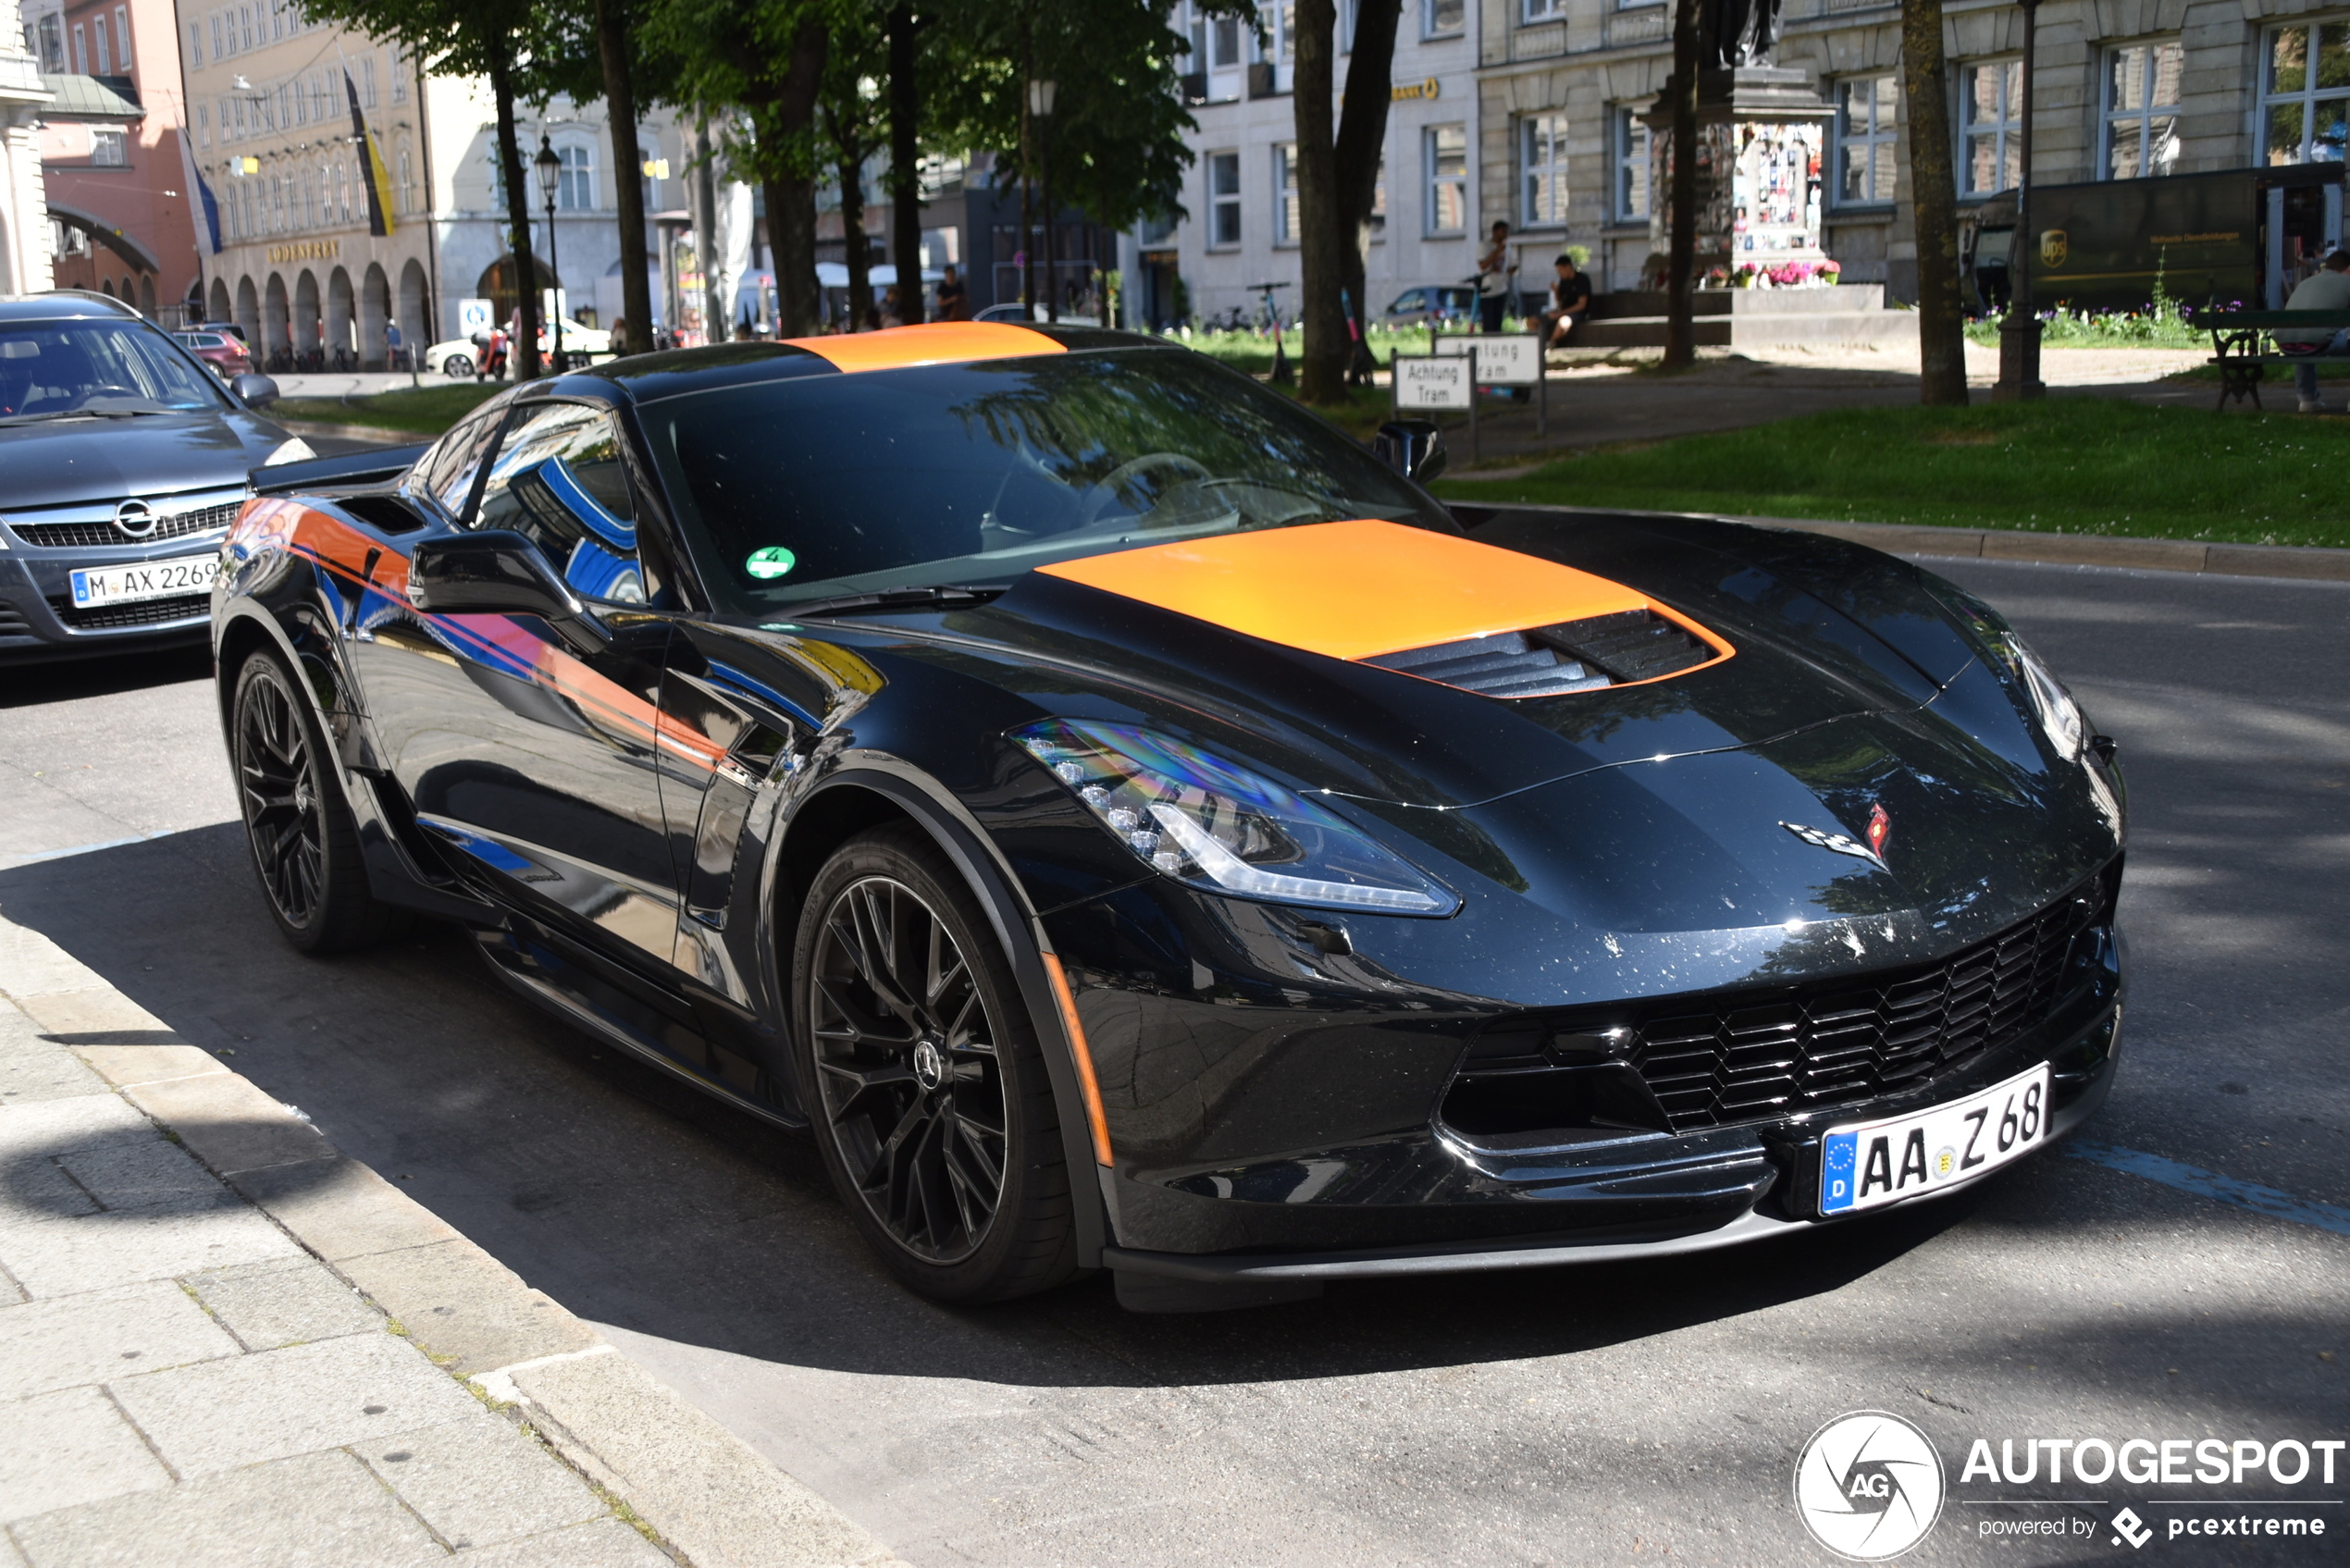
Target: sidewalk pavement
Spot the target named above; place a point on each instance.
(222, 1343)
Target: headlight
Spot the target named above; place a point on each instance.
(1217, 827)
(294, 451)
(2060, 716)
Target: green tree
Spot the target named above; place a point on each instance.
(1933, 204)
(506, 40)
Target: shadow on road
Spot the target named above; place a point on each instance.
(69, 680)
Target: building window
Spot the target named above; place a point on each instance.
(1541, 160)
(367, 80)
(1285, 228)
(245, 25)
(1990, 105)
(107, 148)
(1866, 128)
(195, 44)
(2142, 109)
(408, 182)
(1632, 153)
(81, 52)
(2305, 93)
(1225, 44)
(1223, 199)
(1442, 18)
(122, 37)
(398, 80)
(575, 191)
(213, 25)
(203, 125)
(1532, 11)
(1446, 152)
(1281, 34)
(98, 31)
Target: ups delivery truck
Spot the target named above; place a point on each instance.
(2239, 236)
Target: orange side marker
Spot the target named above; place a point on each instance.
(1093, 1091)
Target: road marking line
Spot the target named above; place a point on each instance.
(2211, 1184)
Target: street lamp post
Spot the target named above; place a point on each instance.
(1040, 107)
(2020, 333)
(551, 172)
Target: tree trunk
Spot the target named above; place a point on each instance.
(790, 186)
(1322, 239)
(628, 184)
(905, 172)
(1362, 133)
(1051, 241)
(524, 351)
(1026, 250)
(1934, 205)
(851, 174)
(1680, 308)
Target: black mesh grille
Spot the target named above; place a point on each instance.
(1603, 650)
(147, 612)
(1757, 1055)
(179, 525)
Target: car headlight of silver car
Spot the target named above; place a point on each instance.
(1223, 829)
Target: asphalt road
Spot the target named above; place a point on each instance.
(1606, 1415)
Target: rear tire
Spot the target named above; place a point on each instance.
(923, 1076)
(299, 830)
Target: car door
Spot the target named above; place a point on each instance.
(530, 747)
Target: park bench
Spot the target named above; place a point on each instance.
(2237, 336)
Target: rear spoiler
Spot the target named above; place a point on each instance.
(370, 466)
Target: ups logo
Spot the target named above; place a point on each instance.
(2055, 249)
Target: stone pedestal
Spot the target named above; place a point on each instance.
(1762, 163)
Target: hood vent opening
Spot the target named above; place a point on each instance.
(1602, 651)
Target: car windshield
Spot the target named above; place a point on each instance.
(827, 486)
(94, 369)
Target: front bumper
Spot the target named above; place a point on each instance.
(38, 620)
(1782, 1169)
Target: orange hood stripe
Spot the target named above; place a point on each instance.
(1359, 589)
(941, 342)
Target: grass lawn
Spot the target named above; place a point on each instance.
(425, 411)
(2069, 465)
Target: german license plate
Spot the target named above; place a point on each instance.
(1866, 1165)
(95, 585)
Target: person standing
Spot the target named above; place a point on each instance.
(953, 300)
(393, 359)
(1496, 279)
(2326, 288)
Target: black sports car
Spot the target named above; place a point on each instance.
(1135, 826)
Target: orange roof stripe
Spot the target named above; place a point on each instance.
(1352, 590)
(938, 342)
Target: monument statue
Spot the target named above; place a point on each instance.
(1738, 32)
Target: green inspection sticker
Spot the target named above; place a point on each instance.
(771, 561)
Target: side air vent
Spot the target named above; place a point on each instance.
(1603, 650)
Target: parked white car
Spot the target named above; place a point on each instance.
(455, 358)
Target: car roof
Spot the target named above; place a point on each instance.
(647, 378)
(64, 305)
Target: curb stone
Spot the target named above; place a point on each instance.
(711, 1500)
(2301, 563)
(374, 435)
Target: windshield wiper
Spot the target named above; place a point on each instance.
(952, 596)
(41, 418)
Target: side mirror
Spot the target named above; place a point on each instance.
(1413, 447)
(498, 572)
(258, 391)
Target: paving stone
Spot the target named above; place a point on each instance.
(228, 1123)
(154, 1175)
(42, 1071)
(34, 1189)
(99, 1335)
(339, 1208)
(462, 1304)
(124, 1058)
(32, 964)
(98, 1018)
(317, 1511)
(354, 1390)
(62, 1450)
(481, 1481)
(63, 1257)
(608, 1543)
(59, 1127)
(269, 1305)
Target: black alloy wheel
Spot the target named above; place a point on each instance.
(924, 1078)
(305, 843)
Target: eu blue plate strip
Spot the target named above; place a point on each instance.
(2211, 1184)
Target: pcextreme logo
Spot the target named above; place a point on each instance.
(1868, 1486)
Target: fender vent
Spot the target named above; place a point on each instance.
(1604, 650)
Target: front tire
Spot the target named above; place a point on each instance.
(457, 367)
(923, 1078)
(299, 830)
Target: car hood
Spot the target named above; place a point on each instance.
(70, 462)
